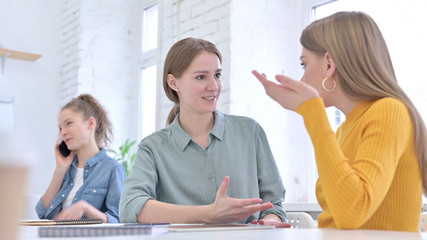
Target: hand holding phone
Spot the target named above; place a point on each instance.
(63, 149)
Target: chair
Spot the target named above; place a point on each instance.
(422, 226)
(300, 220)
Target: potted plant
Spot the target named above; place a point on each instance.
(126, 155)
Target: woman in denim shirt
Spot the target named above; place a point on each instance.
(87, 183)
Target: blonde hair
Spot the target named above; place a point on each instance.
(363, 65)
(179, 57)
(88, 106)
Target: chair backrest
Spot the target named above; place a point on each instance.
(300, 220)
(422, 226)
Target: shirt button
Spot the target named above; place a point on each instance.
(72, 184)
(94, 190)
(87, 170)
(75, 199)
(51, 206)
(63, 195)
(210, 177)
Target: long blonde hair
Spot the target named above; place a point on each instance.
(88, 106)
(363, 65)
(179, 57)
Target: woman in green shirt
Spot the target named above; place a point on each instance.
(206, 166)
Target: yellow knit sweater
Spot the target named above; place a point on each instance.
(369, 175)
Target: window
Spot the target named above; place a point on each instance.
(148, 67)
(149, 30)
(149, 80)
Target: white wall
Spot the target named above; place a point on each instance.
(87, 47)
(99, 48)
(267, 41)
(32, 26)
(209, 20)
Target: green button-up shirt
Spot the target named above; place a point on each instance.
(172, 168)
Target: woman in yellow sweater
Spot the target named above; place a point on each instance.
(372, 172)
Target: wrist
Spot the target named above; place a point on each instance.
(272, 218)
(61, 169)
(83, 205)
(207, 214)
(60, 172)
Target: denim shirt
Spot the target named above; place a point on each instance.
(103, 180)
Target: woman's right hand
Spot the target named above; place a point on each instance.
(61, 161)
(227, 210)
(288, 93)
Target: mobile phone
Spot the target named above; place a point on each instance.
(63, 149)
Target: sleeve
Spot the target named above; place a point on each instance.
(41, 210)
(140, 186)
(269, 180)
(355, 191)
(115, 188)
(49, 213)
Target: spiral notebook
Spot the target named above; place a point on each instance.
(108, 229)
(60, 222)
(101, 230)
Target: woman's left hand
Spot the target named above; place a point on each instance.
(272, 219)
(289, 93)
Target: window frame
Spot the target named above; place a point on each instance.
(145, 60)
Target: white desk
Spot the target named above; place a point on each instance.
(30, 233)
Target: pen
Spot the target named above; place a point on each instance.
(145, 224)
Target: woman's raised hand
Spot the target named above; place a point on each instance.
(227, 210)
(289, 93)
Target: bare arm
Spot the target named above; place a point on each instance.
(62, 165)
(223, 210)
(157, 212)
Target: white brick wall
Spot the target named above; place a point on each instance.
(100, 50)
(70, 34)
(190, 18)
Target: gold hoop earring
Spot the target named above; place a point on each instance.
(324, 87)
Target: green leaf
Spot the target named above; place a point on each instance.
(126, 154)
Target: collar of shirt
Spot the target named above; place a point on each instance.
(93, 160)
(183, 139)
